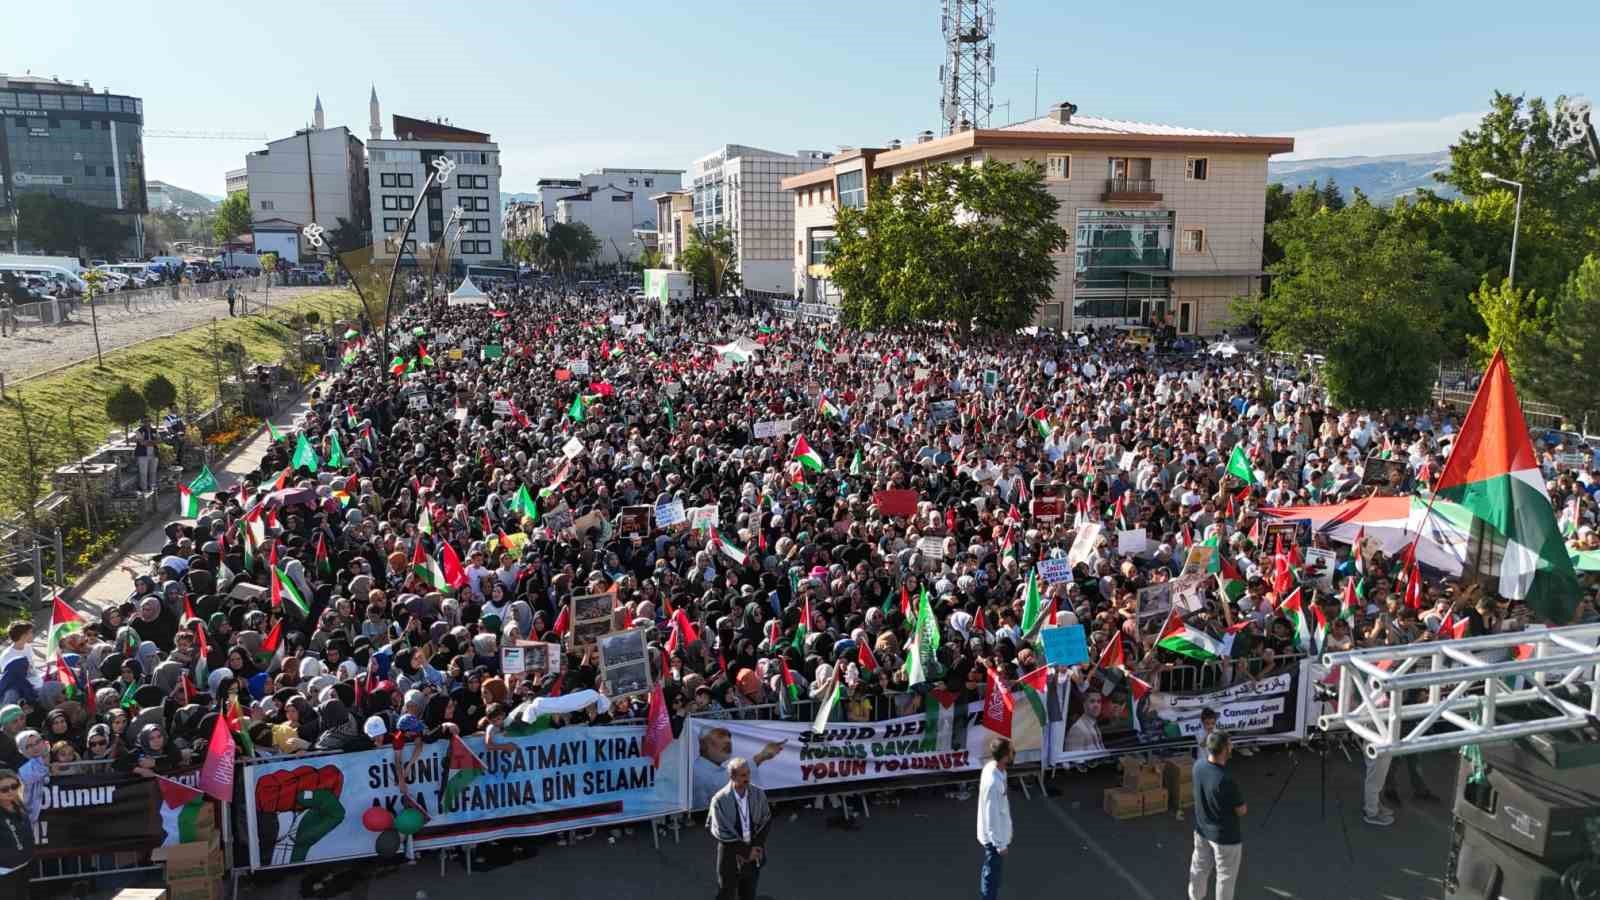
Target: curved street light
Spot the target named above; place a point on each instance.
(1516, 224)
(444, 238)
(443, 168)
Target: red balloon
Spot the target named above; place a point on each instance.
(376, 818)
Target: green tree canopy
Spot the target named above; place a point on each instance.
(159, 392)
(970, 245)
(125, 406)
(712, 257)
(571, 245)
(1552, 344)
(232, 218)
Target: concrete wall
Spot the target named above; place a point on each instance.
(281, 189)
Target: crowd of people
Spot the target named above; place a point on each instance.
(465, 484)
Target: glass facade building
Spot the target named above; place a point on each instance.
(63, 139)
(1123, 263)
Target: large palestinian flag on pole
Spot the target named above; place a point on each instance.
(1493, 473)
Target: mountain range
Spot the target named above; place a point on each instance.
(1381, 178)
(189, 199)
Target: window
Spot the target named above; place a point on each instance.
(1059, 166)
(463, 181)
(85, 124)
(391, 224)
(404, 179)
(266, 204)
(88, 170)
(649, 182)
(386, 179)
(853, 189)
(435, 203)
(1194, 240)
(822, 240)
(481, 182)
(111, 172)
(1196, 167)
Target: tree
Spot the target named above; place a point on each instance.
(571, 245)
(24, 473)
(233, 217)
(1331, 197)
(652, 258)
(159, 393)
(55, 224)
(973, 246)
(348, 236)
(712, 257)
(1551, 344)
(125, 406)
(1358, 286)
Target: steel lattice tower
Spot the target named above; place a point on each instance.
(966, 79)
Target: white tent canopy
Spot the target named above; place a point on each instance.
(467, 294)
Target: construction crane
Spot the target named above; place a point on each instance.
(167, 134)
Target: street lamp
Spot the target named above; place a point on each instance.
(444, 239)
(443, 168)
(1516, 224)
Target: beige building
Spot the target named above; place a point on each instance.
(674, 218)
(1164, 223)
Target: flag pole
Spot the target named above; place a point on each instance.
(1427, 514)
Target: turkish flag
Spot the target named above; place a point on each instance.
(998, 706)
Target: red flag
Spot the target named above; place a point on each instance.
(455, 574)
(657, 727)
(1282, 575)
(1454, 628)
(869, 662)
(998, 706)
(564, 620)
(216, 773)
(188, 610)
(950, 520)
(187, 684)
(1414, 587)
(905, 602)
(683, 633)
(555, 688)
(979, 623)
(1111, 657)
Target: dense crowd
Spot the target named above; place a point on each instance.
(462, 487)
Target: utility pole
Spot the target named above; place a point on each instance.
(1036, 92)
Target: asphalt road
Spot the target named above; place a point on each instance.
(925, 848)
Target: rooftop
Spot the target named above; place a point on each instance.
(1048, 124)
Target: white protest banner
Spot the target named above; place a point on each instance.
(670, 513)
(1573, 459)
(1055, 569)
(578, 366)
(419, 401)
(1132, 541)
(931, 547)
(512, 661)
(704, 517)
(502, 407)
(770, 428)
(1083, 544)
(1268, 710)
(636, 329)
(1187, 593)
(619, 320)
(572, 448)
(555, 780)
(1127, 461)
(936, 743)
(673, 389)
(880, 390)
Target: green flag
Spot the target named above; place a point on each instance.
(1033, 606)
(855, 463)
(524, 503)
(304, 456)
(1239, 466)
(205, 482)
(672, 417)
(277, 438)
(575, 411)
(335, 452)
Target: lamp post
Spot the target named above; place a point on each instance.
(444, 238)
(443, 168)
(1516, 223)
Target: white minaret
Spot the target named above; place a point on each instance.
(318, 114)
(374, 127)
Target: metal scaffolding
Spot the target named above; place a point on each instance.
(966, 80)
(1478, 690)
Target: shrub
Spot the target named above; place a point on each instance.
(125, 406)
(159, 393)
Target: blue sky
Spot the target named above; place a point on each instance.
(569, 86)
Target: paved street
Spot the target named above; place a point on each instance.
(44, 347)
(1065, 846)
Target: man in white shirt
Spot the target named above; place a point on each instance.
(994, 817)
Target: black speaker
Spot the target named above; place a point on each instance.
(1483, 868)
(1552, 814)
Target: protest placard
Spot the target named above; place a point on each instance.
(419, 401)
(1188, 592)
(896, 502)
(931, 547)
(636, 329)
(1292, 532)
(1574, 459)
(502, 407)
(1083, 543)
(591, 617)
(1048, 509)
(704, 517)
(578, 366)
(1380, 472)
(454, 353)
(1198, 559)
(634, 521)
(1155, 601)
(672, 389)
(1132, 542)
(541, 658)
(670, 513)
(1128, 460)
(572, 448)
(512, 661)
(941, 410)
(881, 390)
(1055, 569)
(625, 663)
(1319, 567)
(559, 519)
(619, 320)
(770, 428)
(1065, 645)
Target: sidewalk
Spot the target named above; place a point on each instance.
(113, 585)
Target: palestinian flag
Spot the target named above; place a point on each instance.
(1358, 553)
(425, 523)
(804, 628)
(272, 648)
(924, 644)
(790, 686)
(1229, 579)
(455, 574)
(1454, 628)
(1239, 466)
(732, 552)
(944, 721)
(1032, 605)
(826, 409)
(1041, 422)
(284, 588)
(461, 768)
(1027, 731)
(236, 719)
(189, 503)
(563, 620)
(423, 355)
(324, 561)
(1413, 596)
(304, 457)
(866, 658)
(397, 366)
(64, 620)
(827, 706)
(1294, 608)
(807, 456)
(428, 571)
(524, 503)
(1185, 640)
(202, 650)
(180, 811)
(1112, 656)
(576, 410)
(1320, 635)
(1350, 603)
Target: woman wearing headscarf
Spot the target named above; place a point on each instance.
(339, 730)
(155, 623)
(155, 754)
(99, 744)
(16, 838)
(35, 772)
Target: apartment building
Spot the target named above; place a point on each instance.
(741, 188)
(1164, 222)
(400, 167)
(674, 217)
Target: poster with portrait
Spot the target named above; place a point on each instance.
(1292, 532)
(1188, 593)
(1378, 471)
(625, 663)
(1319, 567)
(634, 521)
(1155, 601)
(591, 617)
(1198, 559)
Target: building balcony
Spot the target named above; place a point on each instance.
(1131, 190)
